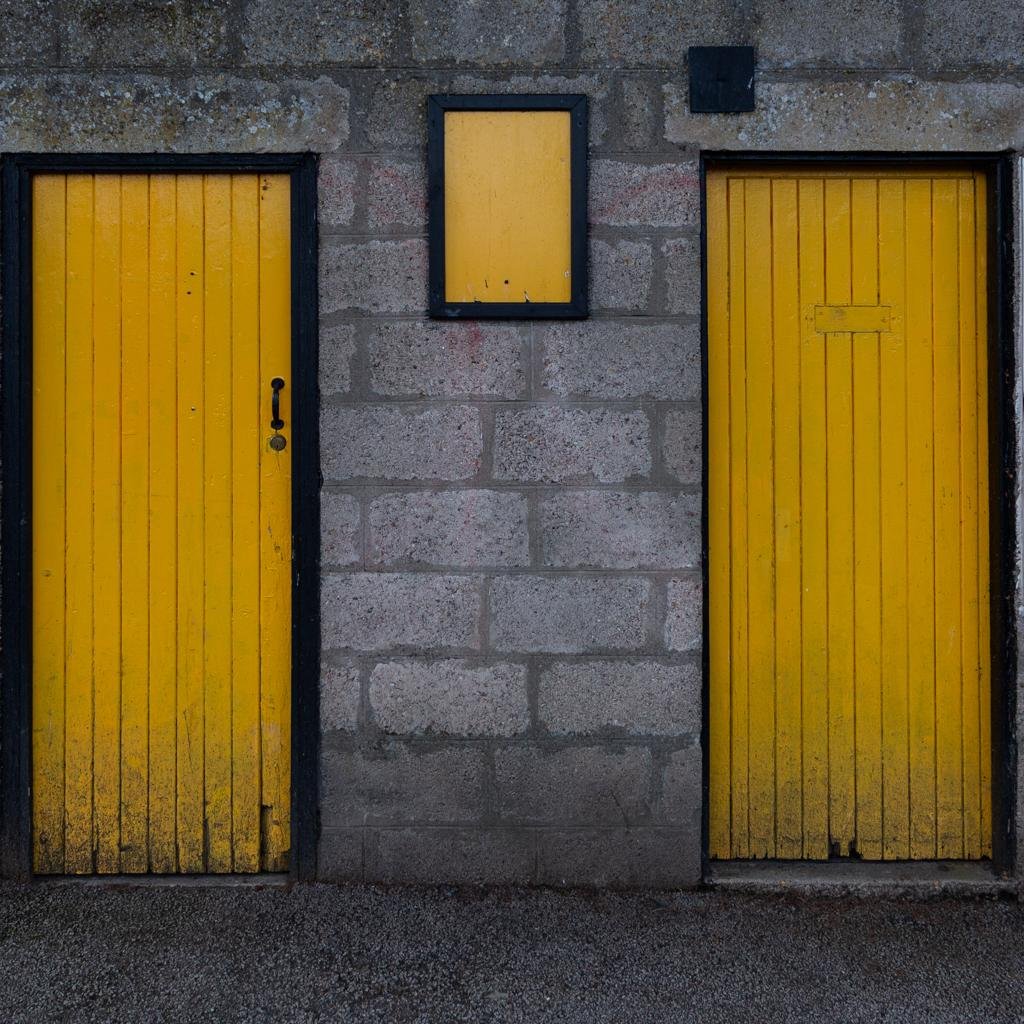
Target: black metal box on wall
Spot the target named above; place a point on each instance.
(721, 79)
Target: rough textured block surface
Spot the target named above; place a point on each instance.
(318, 31)
(395, 611)
(868, 33)
(396, 783)
(446, 359)
(450, 528)
(684, 618)
(396, 115)
(638, 698)
(466, 31)
(619, 857)
(203, 113)
(972, 33)
(620, 530)
(564, 615)
(456, 698)
(654, 32)
(373, 277)
(27, 37)
(340, 529)
(336, 193)
(144, 33)
(682, 275)
(551, 443)
(897, 113)
(337, 348)
(339, 696)
(681, 790)
(396, 195)
(682, 444)
(340, 855)
(455, 856)
(624, 359)
(400, 442)
(591, 785)
(620, 275)
(641, 195)
(639, 113)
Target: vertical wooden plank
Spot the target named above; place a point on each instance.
(78, 793)
(218, 554)
(190, 523)
(920, 518)
(814, 571)
(946, 398)
(968, 438)
(867, 528)
(786, 457)
(984, 594)
(760, 515)
(893, 414)
(246, 442)
(163, 483)
(839, 481)
(740, 758)
(275, 520)
(134, 580)
(719, 712)
(49, 272)
(107, 524)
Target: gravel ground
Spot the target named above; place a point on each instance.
(321, 953)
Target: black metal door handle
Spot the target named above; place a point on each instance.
(276, 423)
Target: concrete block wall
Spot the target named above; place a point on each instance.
(511, 685)
(511, 549)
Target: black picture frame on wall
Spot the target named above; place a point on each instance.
(577, 306)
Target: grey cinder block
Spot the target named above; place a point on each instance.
(470, 529)
(565, 615)
(547, 443)
(398, 611)
(449, 697)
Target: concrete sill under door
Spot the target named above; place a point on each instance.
(257, 881)
(916, 879)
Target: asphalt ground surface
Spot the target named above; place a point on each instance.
(323, 953)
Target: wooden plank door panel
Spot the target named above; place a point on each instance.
(161, 524)
(848, 514)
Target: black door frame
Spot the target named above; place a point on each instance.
(1002, 458)
(16, 474)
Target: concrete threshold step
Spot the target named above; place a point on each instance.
(264, 881)
(862, 878)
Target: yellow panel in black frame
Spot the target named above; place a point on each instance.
(508, 206)
(506, 201)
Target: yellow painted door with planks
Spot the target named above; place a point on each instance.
(848, 514)
(161, 523)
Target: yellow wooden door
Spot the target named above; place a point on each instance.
(161, 524)
(848, 536)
